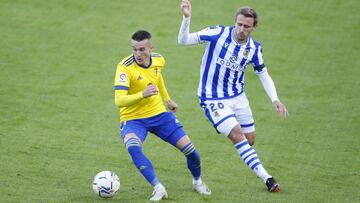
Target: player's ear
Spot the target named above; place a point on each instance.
(151, 45)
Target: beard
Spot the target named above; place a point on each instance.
(241, 37)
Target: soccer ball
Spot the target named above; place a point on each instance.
(106, 184)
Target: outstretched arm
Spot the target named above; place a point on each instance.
(270, 90)
(186, 8)
(185, 37)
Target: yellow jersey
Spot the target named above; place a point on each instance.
(130, 81)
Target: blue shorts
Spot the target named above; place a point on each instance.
(164, 125)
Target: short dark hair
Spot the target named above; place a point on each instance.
(247, 11)
(141, 35)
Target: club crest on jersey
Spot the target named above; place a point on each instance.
(123, 78)
(246, 52)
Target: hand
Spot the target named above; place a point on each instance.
(150, 90)
(172, 106)
(186, 8)
(280, 108)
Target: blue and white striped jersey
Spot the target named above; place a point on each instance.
(223, 65)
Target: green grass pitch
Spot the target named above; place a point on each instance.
(59, 124)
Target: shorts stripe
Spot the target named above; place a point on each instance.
(246, 125)
(222, 120)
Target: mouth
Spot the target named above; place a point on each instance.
(139, 60)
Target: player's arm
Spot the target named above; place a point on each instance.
(270, 90)
(122, 85)
(123, 99)
(163, 92)
(185, 37)
(268, 84)
(165, 95)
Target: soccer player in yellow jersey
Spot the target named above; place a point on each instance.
(139, 93)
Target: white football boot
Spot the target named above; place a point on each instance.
(159, 193)
(202, 188)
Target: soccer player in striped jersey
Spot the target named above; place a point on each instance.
(139, 93)
(228, 51)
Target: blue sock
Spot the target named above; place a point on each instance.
(141, 162)
(193, 160)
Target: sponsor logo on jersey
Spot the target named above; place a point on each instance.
(233, 63)
(123, 78)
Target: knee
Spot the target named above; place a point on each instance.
(236, 135)
(133, 146)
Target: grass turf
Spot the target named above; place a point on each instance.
(59, 125)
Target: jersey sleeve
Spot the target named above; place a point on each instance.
(209, 34)
(205, 35)
(121, 87)
(122, 76)
(268, 85)
(122, 99)
(161, 84)
(163, 92)
(257, 61)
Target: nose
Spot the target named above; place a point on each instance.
(241, 28)
(137, 52)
